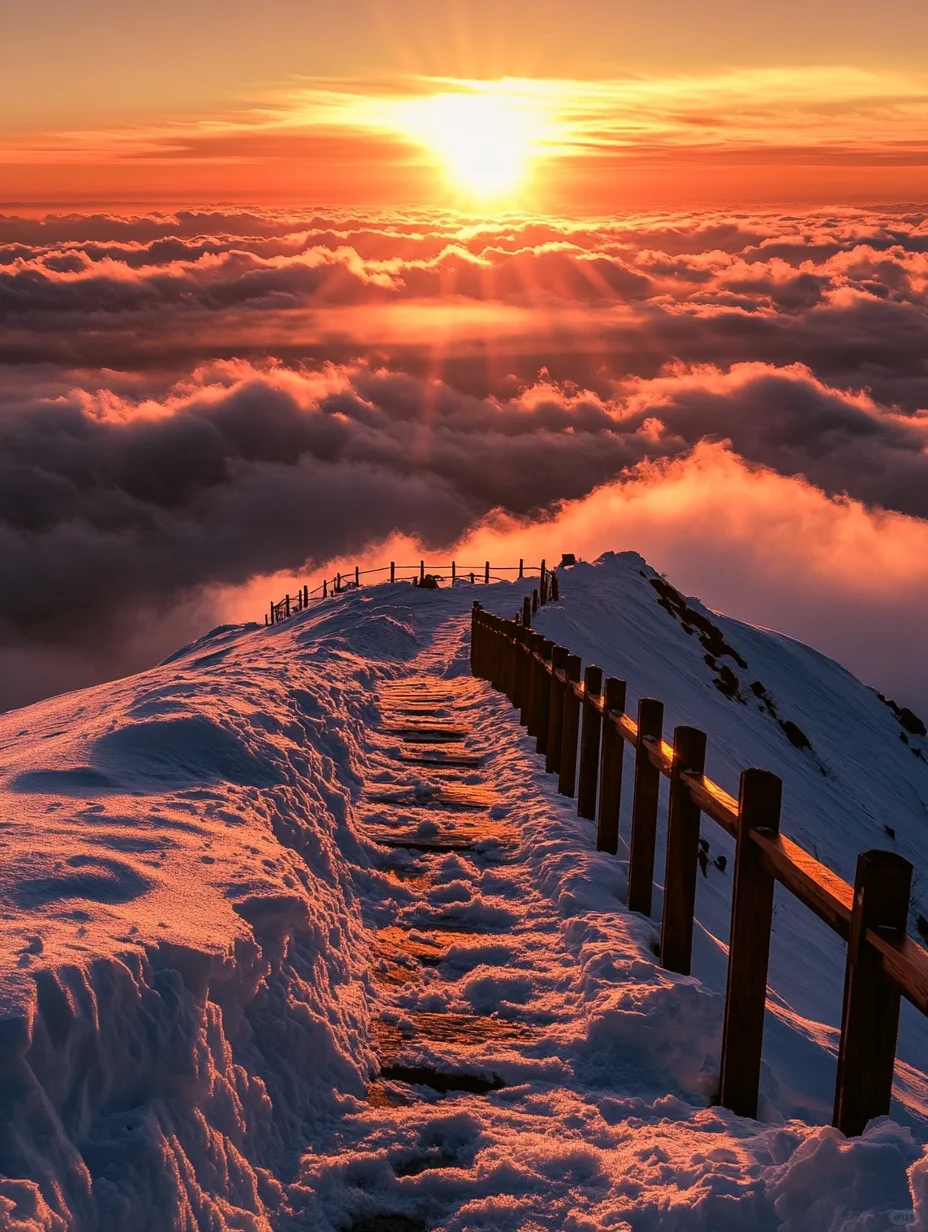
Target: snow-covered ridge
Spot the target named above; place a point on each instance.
(189, 904)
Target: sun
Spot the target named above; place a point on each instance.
(486, 142)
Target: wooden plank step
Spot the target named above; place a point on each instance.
(418, 712)
(424, 756)
(399, 958)
(401, 688)
(460, 1029)
(465, 828)
(433, 733)
(399, 1062)
(451, 796)
(383, 1094)
(442, 1081)
(417, 736)
(416, 842)
(387, 1222)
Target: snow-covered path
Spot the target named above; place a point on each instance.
(270, 966)
(537, 1069)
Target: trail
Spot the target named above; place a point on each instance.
(474, 988)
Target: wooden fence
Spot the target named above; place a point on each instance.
(486, 573)
(581, 728)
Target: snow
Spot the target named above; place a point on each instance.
(194, 918)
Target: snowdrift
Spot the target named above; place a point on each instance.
(189, 907)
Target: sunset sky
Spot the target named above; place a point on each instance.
(584, 107)
(287, 286)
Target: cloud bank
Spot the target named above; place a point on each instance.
(191, 402)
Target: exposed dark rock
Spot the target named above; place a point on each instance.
(710, 635)
(908, 720)
(890, 831)
(795, 735)
(721, 863)
(727, 681)
(912, 723)
(921, 925)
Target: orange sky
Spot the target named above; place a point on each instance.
(611, 105)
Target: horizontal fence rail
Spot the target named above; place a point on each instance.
(290, 605)
(581, 727)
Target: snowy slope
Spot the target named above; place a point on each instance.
(861, 772)
(190, 906)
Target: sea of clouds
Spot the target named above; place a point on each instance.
(197, 407)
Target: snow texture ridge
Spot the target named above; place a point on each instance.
(193, 914)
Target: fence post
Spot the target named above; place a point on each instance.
(515, 665)
(644, 807)
(570, 729)
(498, 670)
(610, 768)
(514, 660)
(272, 611)
(421, 570)
(870, 1018)
(542, 695)
(526, 613)
(486, 573)
(534, 600)
(306, 595)
(589, 744)
(749, 945)
(357, 576)
(338, 583)
(453, 573)
(554, 588)
(392, 570)
(530, 701)
(266, 621)
(476, 639)
(527, 697)
(689, 756)
(555, 710)
(520, 568)
(287, 604)
(543, 582)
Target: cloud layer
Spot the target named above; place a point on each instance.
(192, 401)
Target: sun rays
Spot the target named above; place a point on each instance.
(486, 142)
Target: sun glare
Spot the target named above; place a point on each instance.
(486, 142)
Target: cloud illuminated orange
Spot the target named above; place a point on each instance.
(580, 145)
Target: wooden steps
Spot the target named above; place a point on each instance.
(423, 716)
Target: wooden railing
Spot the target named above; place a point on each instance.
(486, 573)
(581, 728)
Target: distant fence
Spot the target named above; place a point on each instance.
(486, 573)
(581, 728)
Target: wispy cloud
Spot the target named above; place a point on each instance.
(811, 118)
